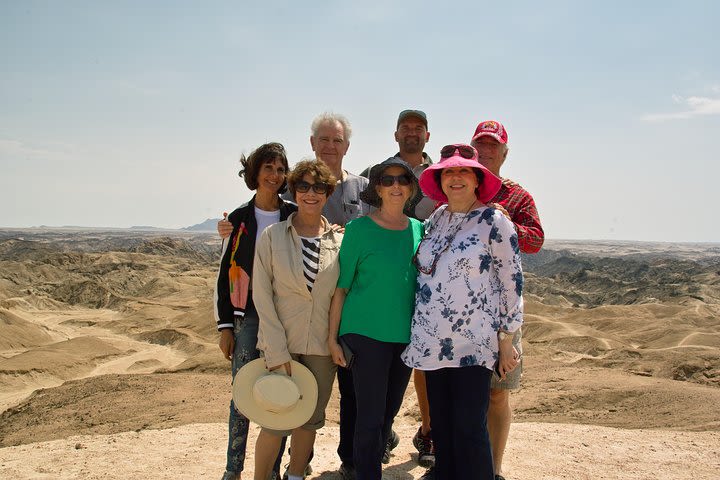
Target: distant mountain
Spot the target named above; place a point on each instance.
(146, 228)
(209, 225)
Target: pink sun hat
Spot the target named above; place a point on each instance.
(460, 155)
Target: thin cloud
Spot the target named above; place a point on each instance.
(16, 149)
(693, 107)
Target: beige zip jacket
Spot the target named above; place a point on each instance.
(292, 319)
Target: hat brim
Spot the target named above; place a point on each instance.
(242, 394)
(369, 195)
(486, 191)
(489, 134)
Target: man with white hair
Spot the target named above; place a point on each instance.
(330, 141)
(491, 141)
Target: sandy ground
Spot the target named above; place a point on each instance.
(550, 451)
(109, 366)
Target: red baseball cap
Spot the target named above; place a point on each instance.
(491, 128)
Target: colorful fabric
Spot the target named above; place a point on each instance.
(469, 287)
(236, 264)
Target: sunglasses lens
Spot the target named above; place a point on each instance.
(404, 180)
(466, 152)
(320, 188)
(302, 187)
(447, 151)
(387, 180)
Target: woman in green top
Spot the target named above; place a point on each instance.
(373, 305)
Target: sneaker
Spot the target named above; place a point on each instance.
(346, 471)
(425, 448)
(308, 472)
(429, 474)
(392, 442)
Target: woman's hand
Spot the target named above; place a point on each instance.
(337, 353)
(508, 357)
(227, 343)
(287, 366)
(224, 227)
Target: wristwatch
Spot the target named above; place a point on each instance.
(503, 335)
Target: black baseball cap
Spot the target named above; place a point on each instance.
(412, 113)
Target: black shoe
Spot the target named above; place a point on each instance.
(429, 474)
(499, 477)
(346, 471)
(425, 448)
(392, 442)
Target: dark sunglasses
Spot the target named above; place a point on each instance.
(466, 151)
(304, 187)
(389, 180)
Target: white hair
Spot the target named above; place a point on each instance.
(332, 118)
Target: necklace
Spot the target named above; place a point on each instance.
(449, 240)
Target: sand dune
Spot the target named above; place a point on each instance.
(107, 341)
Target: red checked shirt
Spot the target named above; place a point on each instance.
(523, 213)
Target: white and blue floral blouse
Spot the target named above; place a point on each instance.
(469, 286)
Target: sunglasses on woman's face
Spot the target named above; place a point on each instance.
(304, 187)
(465, 151)
(389, 180)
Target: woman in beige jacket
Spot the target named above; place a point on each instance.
(294, 276)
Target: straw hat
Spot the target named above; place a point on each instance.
(272, 399)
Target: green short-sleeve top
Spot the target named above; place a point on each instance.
(377, 270)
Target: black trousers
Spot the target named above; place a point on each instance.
(459, 399)
(379, 379)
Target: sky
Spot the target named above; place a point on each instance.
(116, 114)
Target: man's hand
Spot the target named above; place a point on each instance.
(496, 206)
(508, 357)
(227, 343)
(224, 227)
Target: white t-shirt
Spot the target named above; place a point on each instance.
(265, 219)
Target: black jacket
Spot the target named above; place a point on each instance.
(240, 248)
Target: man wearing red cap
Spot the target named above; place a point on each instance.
(490, 140)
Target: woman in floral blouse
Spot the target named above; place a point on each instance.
(468, 303)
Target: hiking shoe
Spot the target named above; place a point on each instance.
(308, 471)
(425, 448)
(346, 471)
(429, 474)
(392, 442)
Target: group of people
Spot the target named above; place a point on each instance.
(410, 265)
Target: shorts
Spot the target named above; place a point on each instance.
(512, 379)
(323, 369)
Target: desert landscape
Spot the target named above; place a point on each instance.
(109, 365)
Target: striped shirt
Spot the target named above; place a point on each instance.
(311, 258)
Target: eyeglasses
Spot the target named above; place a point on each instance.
(389, 180)
(466, 151)
(304, 187)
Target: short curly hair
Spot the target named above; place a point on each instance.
(317, 169)
(266, 153)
